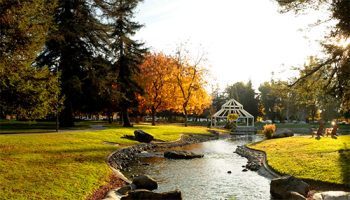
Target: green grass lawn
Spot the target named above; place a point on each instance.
(66, 165)
(324, 159)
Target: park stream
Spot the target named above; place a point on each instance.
(208, 177)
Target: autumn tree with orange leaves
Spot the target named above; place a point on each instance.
(173, 84)
(190, 76)
(155, 78)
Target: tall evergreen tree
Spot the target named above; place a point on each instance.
(231, 92)
(129, 53)
(251, 103)
(79, 37)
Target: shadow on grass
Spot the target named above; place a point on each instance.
(344, 160)
(128, 138)
(95, 155)
(325, 186)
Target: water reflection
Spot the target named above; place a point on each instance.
(207, 178)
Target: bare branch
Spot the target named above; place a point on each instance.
(312, 71)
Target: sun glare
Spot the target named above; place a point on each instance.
(343, 42)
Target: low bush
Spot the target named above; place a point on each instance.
(228, 125)
(268, 131)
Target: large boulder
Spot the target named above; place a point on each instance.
(145, 194)
(142, 136)
(182, 154)
(125, 190)
(283, 132)
(145, 182)
(279, 187)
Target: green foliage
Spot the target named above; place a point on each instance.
(245, 94)
(86, 48)
(334, 67)
(24, 26)
(25, 90)
(325, 159)
(267, 99)
(228, 125)
(29, 92)
(234, 127)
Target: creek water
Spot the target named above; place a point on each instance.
(207, 177)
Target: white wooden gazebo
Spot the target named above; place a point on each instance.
(232, 107)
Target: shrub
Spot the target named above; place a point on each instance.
(233, 127)
(269, 129)
(228, 125)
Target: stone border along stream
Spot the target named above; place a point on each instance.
(256, 159)
(121, 158)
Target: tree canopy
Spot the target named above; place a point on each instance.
(335, 67)
(25, 90)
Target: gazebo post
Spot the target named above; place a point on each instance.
(247, 121)
(253, 121)
(214, 121)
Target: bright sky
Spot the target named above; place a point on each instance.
(245, 39)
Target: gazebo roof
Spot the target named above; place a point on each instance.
(232, 107)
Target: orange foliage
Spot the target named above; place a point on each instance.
(170, 87)
(269, 129)
(155, 79)
(191, 79)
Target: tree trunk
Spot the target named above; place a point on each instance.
(136, 115)
(109, 117)
(66, 117)
(153, 116)
(126, 117)
(185, 116)
(313, 113)
(171, 116)
(2, 115)
(120, 117)
(97, 117)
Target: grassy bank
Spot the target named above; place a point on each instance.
(320, 159)
(66, 165)
(327, 125)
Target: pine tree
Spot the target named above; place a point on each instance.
(129, 53)
(71, 47)
(251, 103)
